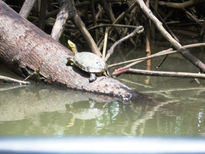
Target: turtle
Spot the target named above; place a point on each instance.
(88, 62)
(84, 110)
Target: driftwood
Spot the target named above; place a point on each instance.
(28, 48)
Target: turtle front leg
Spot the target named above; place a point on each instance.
(92, 77)
(107, 74)
(70, 61)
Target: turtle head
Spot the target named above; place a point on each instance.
(72, 46)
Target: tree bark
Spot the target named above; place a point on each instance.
(24, 45)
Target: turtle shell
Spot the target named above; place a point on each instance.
(89, 62)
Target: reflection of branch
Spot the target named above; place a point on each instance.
(11, 88)
(167, 92)
(9, 79)
(174, 90)
(135, 83)
(148, 115)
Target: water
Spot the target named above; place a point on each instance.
(177, 107)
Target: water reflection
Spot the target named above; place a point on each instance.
(42, 110)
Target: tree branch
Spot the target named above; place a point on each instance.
(26, 8)
(195, 61)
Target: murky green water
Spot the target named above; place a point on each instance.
(177, 107)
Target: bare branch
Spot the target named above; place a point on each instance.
(26, 8)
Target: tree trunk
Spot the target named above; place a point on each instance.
(24, 45)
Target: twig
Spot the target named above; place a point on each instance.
(147, 38)
(122, 15)
(111, 25)
(161, 53)
(180, 5)
(105, 43)
(43, 12)
(94, 17)
(108, 9)
(139, 29)
(9, 79)
(163, 60)
(148, 47)
(81, 26)
(165, 24)
(26, 8)
(139, 60)
(194, 18)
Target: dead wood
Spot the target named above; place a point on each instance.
(184, 52)
(180, 5)
(138, 29)
(160, 73)
(81, 26)
(158, 54)
(26, 8)
(25, 46)
(60, 21)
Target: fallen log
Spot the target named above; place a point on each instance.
(25, 46)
